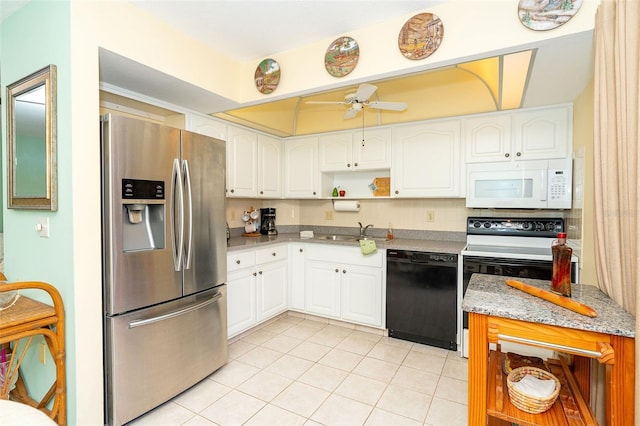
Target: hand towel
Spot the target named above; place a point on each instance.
(535, 387)
(368, 246)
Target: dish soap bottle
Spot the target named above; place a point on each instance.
(335, 192)
(561, 275)
(390, 233)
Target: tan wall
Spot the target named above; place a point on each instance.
(581, 217)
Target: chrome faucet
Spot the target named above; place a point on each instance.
(363, 230)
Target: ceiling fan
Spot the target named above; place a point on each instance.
(360, 99)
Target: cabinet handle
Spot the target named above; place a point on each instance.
(397, 192)
(518, 154)
(261, 192)
(260, 272)
(337, 270)
(254, 274)
(314, 192)
(237, 262)
(232, 191)
(273, 254)
(344, 271)
(348, 164)
(355, 164)
(301, 250)
(506, 155)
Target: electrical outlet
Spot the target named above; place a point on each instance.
(328, 215)
(431, 216)
(43, 353)
(233, 215)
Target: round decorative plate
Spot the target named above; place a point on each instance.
(420, 36)
(342, 56)
(267, 76)
(542, 15)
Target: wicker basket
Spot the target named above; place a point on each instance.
(524, 402)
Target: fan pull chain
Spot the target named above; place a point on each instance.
(363, 127)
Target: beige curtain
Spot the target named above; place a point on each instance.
(617, 158)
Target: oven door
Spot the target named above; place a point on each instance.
(522, 268)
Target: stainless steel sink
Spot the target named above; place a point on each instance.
(336, 237)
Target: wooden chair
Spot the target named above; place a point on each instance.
(24, 320)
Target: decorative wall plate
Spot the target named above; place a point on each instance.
(420, 36)
(342, 56)
(267, 76)
(542, 15)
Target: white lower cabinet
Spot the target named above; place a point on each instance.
(296, 276)
(343, 284)
(256, 287)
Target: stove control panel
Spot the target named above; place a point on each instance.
(522, 227)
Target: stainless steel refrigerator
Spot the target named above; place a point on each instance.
(164, 263)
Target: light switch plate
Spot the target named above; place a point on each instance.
(43, 227)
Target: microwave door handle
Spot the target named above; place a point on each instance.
(543, 184)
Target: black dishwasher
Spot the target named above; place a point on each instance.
(421, 297)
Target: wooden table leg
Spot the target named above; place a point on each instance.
(478, 369)
(620, 378)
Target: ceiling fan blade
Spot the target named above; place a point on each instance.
(351, 112)
(365, 91)
(393, 106)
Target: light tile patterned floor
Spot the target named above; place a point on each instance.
(301, 371)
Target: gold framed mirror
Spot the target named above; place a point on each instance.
(31, 142)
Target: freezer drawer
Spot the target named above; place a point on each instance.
(156, 353)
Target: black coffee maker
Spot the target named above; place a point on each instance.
(268, 221)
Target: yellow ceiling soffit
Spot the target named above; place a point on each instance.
(485, 85)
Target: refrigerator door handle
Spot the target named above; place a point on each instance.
(190, 308)
(189, 243)
(177, 187)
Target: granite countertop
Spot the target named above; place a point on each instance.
(437, 246)
(490, 295)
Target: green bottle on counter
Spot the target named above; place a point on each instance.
(335, 192)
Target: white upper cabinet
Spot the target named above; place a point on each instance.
(374, 150)
(207, 126)
(345, 151)
(427, 161)
(242, 162)
(336, 151)
(269, 167)
(487, 138)
(301, 175)
(543, 133)
(531, 134)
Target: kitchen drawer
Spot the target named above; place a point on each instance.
(271, 254)
(344, 255)
(240, 260)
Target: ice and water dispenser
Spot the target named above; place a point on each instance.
(143, 214)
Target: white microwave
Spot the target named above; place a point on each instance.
(544, 184)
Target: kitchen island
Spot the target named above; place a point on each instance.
(498, 312)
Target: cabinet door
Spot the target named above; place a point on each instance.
(361, 295)
(272, 289)
(488, 138)
(335, 152)
(296, 276)
(322, 288)
(269, 167)
(426, 160)
(241, 301)
(374, 152)
(242, 154)
(301, 174)
(207, 126)
(543, 133)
